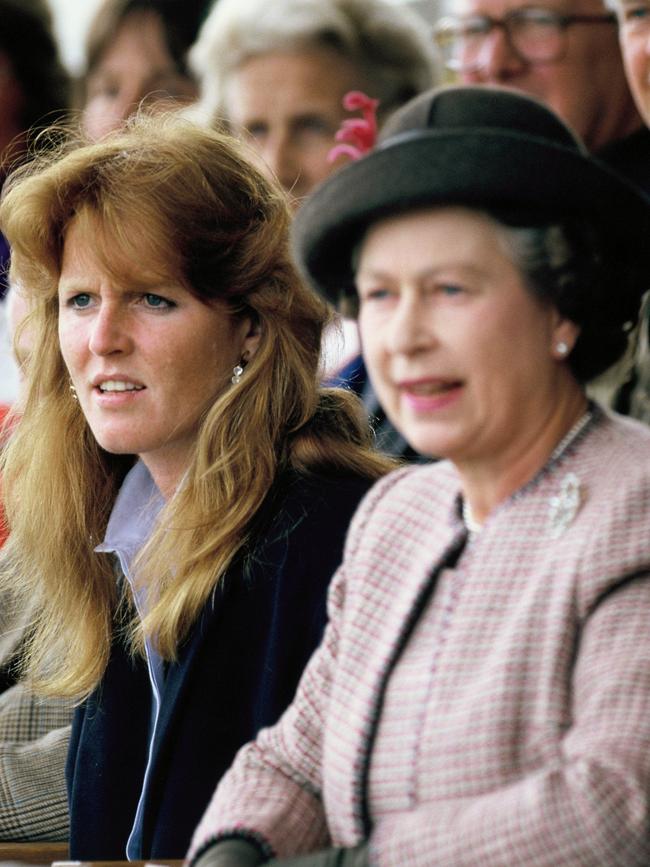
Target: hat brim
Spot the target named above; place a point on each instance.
(486, 169)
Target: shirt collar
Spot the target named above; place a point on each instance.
(135, 512)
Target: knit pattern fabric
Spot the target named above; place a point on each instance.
(481, 701)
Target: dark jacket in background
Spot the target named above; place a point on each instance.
(630, 157)
(387, 438)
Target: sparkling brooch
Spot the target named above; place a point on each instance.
(563, 508)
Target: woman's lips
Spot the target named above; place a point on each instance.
(427, 395)
(116, 390)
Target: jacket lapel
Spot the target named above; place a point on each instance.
(177, 682)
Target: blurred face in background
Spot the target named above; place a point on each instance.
(135, 69)
(583, 79)
(634, 32)
(289, 107)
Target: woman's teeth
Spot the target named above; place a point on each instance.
(117, 385)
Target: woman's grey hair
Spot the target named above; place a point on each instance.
(567, 265)
(387, 42)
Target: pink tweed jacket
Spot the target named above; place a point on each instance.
(481, 701)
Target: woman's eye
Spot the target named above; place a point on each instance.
(157, 301)
(450, 289)
(80, 302)
(636, 13)
(256, 131)
(374, 295)
(102, 88)
(314, 125)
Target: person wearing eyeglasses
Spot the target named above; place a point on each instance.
(564, 52)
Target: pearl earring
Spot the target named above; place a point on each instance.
(561, 348)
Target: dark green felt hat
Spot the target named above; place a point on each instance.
(492, 149)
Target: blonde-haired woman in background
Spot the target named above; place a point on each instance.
(136, 55)
(178, 487)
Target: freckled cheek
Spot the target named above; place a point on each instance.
(192, 376)
(71, 345)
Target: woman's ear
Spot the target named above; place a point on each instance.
(252, 338)
(564, 336)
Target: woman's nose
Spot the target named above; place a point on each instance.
(109, 331)
(409, 330)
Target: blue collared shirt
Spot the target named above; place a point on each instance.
(135, 512)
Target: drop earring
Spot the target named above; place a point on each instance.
(238, 369)
(73, 391)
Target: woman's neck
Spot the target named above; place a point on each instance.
(488, 482)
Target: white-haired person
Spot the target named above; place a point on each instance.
(276, 74)
(482, 693)
(566, 53)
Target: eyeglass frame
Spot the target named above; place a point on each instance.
(561, 22)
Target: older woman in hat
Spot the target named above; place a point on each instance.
(178, 486)
(482, 693)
